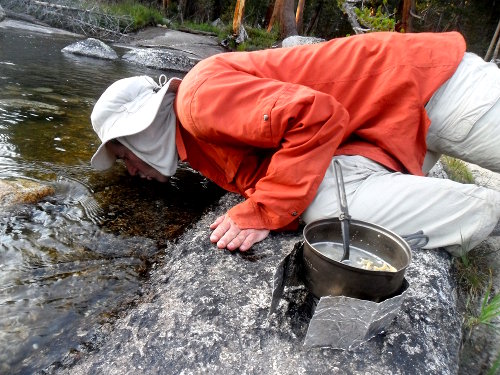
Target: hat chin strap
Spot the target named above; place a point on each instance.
(155, 145)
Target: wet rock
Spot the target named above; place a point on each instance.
(2, 14)
(92, 48)
(22, 191)
(206, 311)
(161, 59)
(297, 40)
(34, 106)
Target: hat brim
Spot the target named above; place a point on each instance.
(128, 124)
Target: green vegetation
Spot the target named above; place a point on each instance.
(488, 312)
(457, 170)
(204, 27)
(258, 39)
(472, 273)
(378, 18)
(142, 15)
(495, 368)
(482, 307)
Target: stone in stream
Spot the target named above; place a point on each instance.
(34, 106)
(91, 47)
(21, 191)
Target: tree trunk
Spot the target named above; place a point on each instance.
(314, 19)
(299, 16)
(288, 26)
(406, 17)
(276, 11)
(492, 43)
(238, 15)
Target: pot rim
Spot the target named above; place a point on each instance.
(384, 231)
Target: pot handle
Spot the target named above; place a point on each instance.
(416, 240)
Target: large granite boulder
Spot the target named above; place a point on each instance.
(207, 311)
(161, 59)
(92, 48)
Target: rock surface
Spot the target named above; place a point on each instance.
(196, 46)
(297, 40)
(165, 49)
(91, 47)
(161, 59)
(206, 311)
(31, 25)
(21, 191)
(32, 106)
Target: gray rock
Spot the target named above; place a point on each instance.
(218, 23)
(297, 40)
(92, 48)
(161, 59)
(2, 14)
(242, 35)
(206, 311)
(30, 24)
(193, 45)
(32, 106)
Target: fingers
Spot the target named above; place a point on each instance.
(221, 226)
(252, 236)
(217, 221)
(229, 236)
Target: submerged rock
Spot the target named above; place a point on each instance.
(20, 191)
(92, 48)
(207, 311)
(39, 108)
(161, 59)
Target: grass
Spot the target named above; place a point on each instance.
(495, 368)
(489, 310)
(457, 170)
(142, 15)
(257, 38)
(474, 274)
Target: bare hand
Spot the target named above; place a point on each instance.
(229, 236)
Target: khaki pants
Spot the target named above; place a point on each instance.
(465, 123)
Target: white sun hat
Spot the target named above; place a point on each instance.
(127, 107)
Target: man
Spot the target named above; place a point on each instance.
(267, 124)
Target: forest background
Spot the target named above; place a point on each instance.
(475, 19)
(266, 22)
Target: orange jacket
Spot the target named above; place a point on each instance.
(266, 124)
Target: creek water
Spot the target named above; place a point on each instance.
(72, 261)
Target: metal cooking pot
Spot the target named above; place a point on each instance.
(324, 276)
(328, 273)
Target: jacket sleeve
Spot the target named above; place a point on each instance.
(300, 126)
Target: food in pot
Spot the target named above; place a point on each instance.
(368, 264)
(358, 257)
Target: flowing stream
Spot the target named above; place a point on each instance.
(73, 260)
